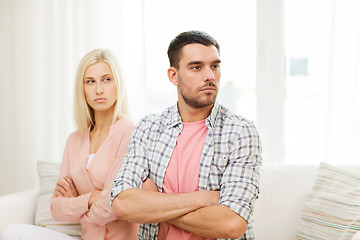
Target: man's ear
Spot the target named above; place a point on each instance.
(172, 75)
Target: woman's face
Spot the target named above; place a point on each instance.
(100, 87)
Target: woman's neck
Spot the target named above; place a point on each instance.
(103, 120)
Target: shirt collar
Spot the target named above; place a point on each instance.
(175, 118)
(210, 120)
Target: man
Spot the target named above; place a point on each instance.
(203, 159)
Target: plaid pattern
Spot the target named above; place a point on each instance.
(230, 160)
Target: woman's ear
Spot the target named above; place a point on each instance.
(172, 75)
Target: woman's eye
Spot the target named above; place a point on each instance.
(107, 79)
(89, 81)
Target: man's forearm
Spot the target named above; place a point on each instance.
(212, 222)
(144, 206)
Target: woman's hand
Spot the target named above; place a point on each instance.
(66, 188)
(95, 195)
(149, 185)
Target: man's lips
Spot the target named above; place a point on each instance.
(208, 89)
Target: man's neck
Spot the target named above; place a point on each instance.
(190, 114)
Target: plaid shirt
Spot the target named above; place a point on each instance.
(230, 160)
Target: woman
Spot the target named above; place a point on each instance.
(92, 156)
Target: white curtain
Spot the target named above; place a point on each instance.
(322, 106)
(45, 40)
(42, 42)
(343, 144)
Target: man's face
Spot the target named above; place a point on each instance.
(198, 75)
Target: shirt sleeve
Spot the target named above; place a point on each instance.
(240, 182)
(134, 168)
(101, 212)
(65, 208)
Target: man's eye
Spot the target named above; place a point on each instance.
(196, 67)
(215, 66)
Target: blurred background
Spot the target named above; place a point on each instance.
(291, 66)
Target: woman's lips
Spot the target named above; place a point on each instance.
(100, 100)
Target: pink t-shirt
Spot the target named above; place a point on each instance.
(182, 173)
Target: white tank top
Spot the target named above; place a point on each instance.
(91, 157)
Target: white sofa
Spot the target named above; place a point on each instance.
(276, 214)
(18, 207)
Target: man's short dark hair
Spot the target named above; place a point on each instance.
(186, 38)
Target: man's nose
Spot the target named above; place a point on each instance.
(209, 74)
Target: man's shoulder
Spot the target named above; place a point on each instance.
(226, 117)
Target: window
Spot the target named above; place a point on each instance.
(322, 107)
(307, 49)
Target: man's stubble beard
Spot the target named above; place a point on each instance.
(195, 103)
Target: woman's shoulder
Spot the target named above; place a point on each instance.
(125, 122)
(76, 136)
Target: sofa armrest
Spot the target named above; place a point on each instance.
(18, 207)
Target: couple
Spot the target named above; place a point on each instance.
(191, 172)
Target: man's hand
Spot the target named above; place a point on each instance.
(66, 188)
(144, 206)
(210, 198)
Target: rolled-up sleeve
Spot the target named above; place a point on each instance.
(240, 183)
(134, 168)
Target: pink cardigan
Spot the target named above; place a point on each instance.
(98, 222)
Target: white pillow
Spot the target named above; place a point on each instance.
(48, 176)
(332, 208)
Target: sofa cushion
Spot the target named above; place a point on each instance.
(332, 208)
(48, 176)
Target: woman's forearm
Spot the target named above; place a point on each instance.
(69, 208)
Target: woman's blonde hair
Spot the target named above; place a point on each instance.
(84, 114)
